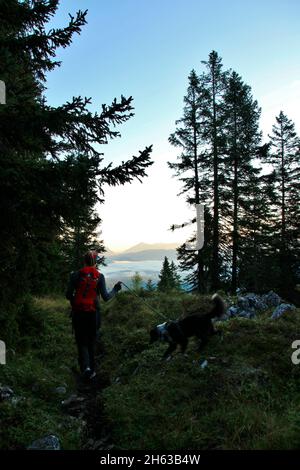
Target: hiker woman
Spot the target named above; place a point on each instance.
(83, 292)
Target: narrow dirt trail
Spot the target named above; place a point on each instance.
(87, 405)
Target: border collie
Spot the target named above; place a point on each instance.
(177, 332)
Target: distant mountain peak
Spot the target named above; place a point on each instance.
(109, 252)
(151, 246)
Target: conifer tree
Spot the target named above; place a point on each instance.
(213, 82)
(175, 275)
(166, 280)
(36, 140)
(241, 130)
(81, 231)
(201, 138)
(150, 287)
(192, 169)
(284, 157)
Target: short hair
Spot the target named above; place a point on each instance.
(90, 258)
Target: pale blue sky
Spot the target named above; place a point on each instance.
(146, 48)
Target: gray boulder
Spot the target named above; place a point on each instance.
(60, 390)
(50, 442)
(243, 303)
(6, 393)
(256, 302)
(281, 309)
(248, 305)
(247, 314)
(232, 311)
(271, 299)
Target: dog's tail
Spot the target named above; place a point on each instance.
(219, 306)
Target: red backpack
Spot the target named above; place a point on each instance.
(86, 290)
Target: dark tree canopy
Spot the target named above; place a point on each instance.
(168, 278)
(251, 216)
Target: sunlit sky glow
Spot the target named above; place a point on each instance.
(146, 48)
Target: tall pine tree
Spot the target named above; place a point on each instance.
(213, 82)
(168, 278)
(202, 140)
(191, 161)
(243, 137)
(284, 157)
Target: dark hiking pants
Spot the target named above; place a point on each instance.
(86, 325)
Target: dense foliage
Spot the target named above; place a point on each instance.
(168, 277)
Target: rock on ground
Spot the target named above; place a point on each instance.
(281, 309)
(248, 305)
(243, 303)
(60, 390)
(256, 302)
(271, 299)
(246, 314)
(6, 393)
(50, 442)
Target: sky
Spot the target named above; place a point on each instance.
(146, 49)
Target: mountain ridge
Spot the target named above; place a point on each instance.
(144, 255)
(149, 246)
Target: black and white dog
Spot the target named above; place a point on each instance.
(177, 332)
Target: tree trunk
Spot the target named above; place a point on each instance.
(283, 228)
(215, 257)
(200, 267)
(235, 214)
(283, 261)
